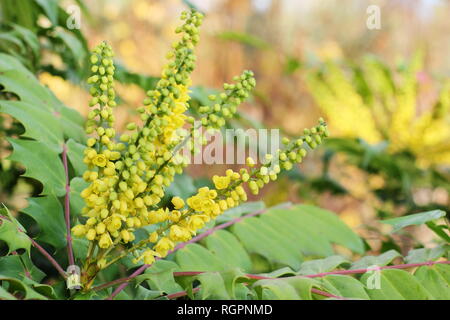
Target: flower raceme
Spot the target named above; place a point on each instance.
(128, 175)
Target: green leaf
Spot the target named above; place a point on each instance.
(414, 219)
(439, 230)
(234, 281)
(182, 186)
(15, 78)
(75, 153)
(285, 236)
(20, 267)
(42, 163)
(159, 277)
(194, 257)
(123, 75)
(18, 287)
(244, 38)
(14, 238)
(436, 280)
(212, 286)
(334, 228)
(49, 215)
(5, 295)
(321, 265)
(80, 247)
(29, 38)
(74, 45)
(285, 289)
(344, 286)
(380, 261)
(396, 285)
(426, 254)
(236, 212)
(39, 123)
(50, 9)
(227, 249)
(145, 294)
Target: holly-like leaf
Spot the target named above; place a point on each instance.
(20, 267)
(14, 238)
(40, 124)
(42, 163)
(48, 213)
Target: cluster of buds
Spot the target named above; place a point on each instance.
(229, 191)
(128, 176)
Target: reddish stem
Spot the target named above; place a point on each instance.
(323, 274)
(49, 258)
(180, 294)
(142, 268)
(67, 208)
(313, 290)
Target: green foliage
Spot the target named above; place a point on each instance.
(288, 245)
(424, 283)
(14, 238)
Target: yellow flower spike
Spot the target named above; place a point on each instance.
(128, 180)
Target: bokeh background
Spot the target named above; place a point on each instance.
(285, 42)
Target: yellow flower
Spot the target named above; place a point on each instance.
(99, 160)
(105, 241)
(221, 182)
(195, 223)
(79, 230)
(178, 233)
(90, 235)
(149, 256)
(177, 202)
(163, 246)
(153, 237)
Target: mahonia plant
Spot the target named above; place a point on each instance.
(127, 175)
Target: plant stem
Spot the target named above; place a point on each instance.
(194, 290)
(142, 268)
(323, 274)
(49, 258)
(67, 208)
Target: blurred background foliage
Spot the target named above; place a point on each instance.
(385, 93)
